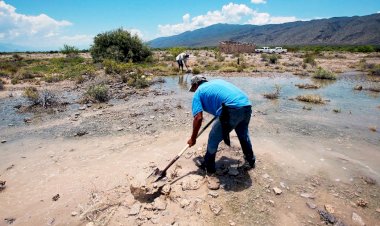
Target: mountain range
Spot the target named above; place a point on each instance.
(356, 30)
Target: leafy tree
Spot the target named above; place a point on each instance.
(119, 45)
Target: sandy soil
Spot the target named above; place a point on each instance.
(91, 156)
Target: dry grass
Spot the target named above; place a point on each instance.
(307, 86)
(273, 95)
(311, 98)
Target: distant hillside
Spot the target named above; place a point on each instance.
(357, 30)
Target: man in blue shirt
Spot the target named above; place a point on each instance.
(233, 109)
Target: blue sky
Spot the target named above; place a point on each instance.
(48, 24)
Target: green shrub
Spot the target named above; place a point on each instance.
(70, 51)
(114, 67)
(138, 81)
(97, 93)
(375, 70)
(119, 45)
(324, 74)
(14, 81)
(275, 94)
(196, 71)
(311, 98)
(309, 59)
(175, 51)
(219, 57)
(32, 94)
(273, 59)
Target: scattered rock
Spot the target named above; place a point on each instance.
(166, 189)
(82, 107)
(271, 202)
(27, 120)
(213, 194)
(184, 202)
(192, 182)
(215, 208)
(232, 223)
(282, 184)
(311, 205)
(2, 185)
(90, 224)
(378, 210)
(74, 213)
(55, 197)
(358, 87)
(10, 167)
(135, 209)
(213, 183)
(3, 141)
(233, 171)
(9, 220)
(265, 176)
(80, 133)
(369, 180)
(120, 129)
(357, 219)
(277, 191)
(308, 195)
(361, 203)
(159, 204)
(327, 217)
(329, 208)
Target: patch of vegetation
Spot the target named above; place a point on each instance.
(138, 81)
(228, 69)
(119, 45)
(70, 51)
(324, 74)
(97, 93)
(196, 71)
(264, 57)
(309, 58)
(218, 56)
(311, 98)
(275, 94)
(273, 58)
(307, 86)
(31, 93)
(342, 48)
(373, 128)
(115, 67)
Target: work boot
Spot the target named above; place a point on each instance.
(206, 164)
(248, 165)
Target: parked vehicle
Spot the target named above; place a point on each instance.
(263, 50)
(279, 50)
(269, 50)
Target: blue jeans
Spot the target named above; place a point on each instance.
(238, 120)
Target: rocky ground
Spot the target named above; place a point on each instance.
(77, 164)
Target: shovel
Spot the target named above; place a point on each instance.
(157, 175)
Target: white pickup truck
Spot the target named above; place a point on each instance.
(269, 50)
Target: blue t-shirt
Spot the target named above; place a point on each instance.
(210, 96)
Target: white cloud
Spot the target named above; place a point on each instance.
(258, 1)
(137, 32)
(230, 13)
(39, 31)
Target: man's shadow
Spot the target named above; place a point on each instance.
(228, 182)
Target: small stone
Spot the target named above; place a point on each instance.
(308, 195)
(277, 191)
(184, 202)
(3, 141)
(311, 205)
(233, 171)
(231, 223)
(378, 210)
(152, 117)
(215, 208)
(120, 129)
(282, 184)
(90, 224)
(83, 107)
(9, 220)
(159, 204)
(357, 219)
(329, 208)
(213, 194)
(166, 189)
(74, 213)
(271, 202)
(192, 182)
(55, 197)
(265, 176)
(361, 202)
(213, 183)
(135, 209)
